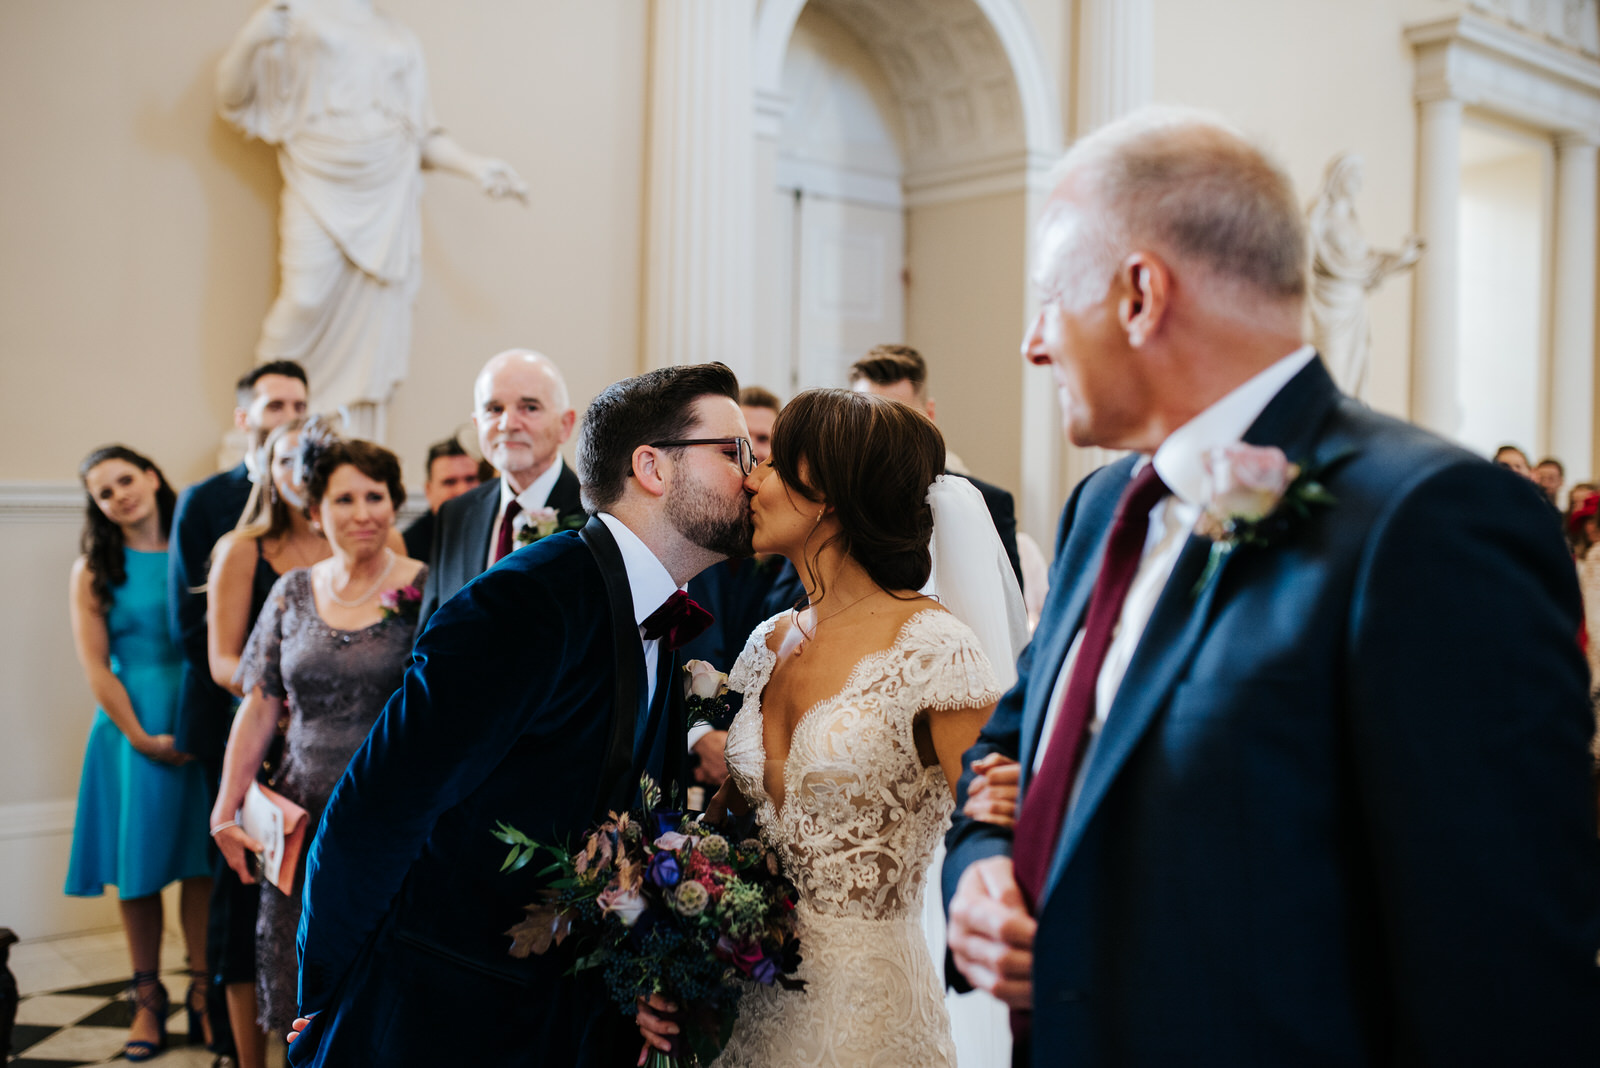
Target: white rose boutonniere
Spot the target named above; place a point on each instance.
(1257, 496)
(705, 691)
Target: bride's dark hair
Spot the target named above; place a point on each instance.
(872, 460)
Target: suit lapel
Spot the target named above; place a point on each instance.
(616, 787)
(1291, 421)
(481, 519)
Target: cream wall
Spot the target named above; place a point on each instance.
(1312, 78)
(964, 313)
(137, 247)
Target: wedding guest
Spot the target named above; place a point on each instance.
(273, 536)
(140, 822)
(451, 472)
(1549, 474)
(268, 396)
(761, 407)
(900, 373)
(735, 592)
(1577, 497)
(329, 648)
(1509, 456)
(523, 415)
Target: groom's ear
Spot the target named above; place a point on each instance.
(648, 470)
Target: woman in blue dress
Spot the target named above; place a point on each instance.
(141, 820)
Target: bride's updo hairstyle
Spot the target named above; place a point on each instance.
(872, 460)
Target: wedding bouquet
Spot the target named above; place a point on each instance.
(664, 904)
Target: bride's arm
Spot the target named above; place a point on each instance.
(943, 735)
(727, 799)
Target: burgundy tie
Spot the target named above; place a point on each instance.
(502, 545)
(1044, 806)
(679, 621)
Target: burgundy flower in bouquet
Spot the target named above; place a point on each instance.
(664, 904)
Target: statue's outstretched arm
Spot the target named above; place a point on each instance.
(494, 176)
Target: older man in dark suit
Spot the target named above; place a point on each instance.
(1305, 760)
(523, 415)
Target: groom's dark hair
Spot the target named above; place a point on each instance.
(655, 406)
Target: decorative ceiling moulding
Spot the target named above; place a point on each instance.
(1486, 64)
(1012, 172)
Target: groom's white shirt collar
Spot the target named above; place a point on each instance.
(1180, 460)
(648, 578)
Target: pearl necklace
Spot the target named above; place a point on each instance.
(365, 597)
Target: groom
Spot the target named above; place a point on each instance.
(537, 697)
(1329, 802)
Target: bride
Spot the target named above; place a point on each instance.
(856, 713)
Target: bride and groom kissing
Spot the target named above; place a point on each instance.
(1303, 745)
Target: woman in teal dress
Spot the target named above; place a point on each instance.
(141, 821)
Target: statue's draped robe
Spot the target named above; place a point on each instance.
(347, 107)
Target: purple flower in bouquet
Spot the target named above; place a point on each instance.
(403, 601)
(663, 870)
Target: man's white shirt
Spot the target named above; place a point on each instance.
(1180, 461)
(651, 584)
(535, 496)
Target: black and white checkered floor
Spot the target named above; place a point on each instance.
(74, 1010)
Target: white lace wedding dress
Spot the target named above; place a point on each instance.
(856, 827)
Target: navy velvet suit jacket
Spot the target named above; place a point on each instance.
(463, 529)
(504, 715)
(1340, 811)
(205, 512)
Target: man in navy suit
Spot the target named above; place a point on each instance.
(1328, 802)
(521, 409)
(537, 696)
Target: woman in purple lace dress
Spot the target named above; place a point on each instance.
(329, 648)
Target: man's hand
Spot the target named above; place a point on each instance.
(713, 769)
(300, 1024)
(657, 1029)
(991, 933)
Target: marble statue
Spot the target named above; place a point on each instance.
(341, 90)
(1344, 269)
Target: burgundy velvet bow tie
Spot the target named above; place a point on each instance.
(677, 622)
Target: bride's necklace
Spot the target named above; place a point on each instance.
(365, 597)
(805, 638)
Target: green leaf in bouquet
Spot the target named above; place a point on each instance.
(649, 792)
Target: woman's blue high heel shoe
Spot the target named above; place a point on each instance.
(147, 995)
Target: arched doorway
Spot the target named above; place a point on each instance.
(938, 115)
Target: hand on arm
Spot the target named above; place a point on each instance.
(992, 790)
(713, 767)
(93, 645)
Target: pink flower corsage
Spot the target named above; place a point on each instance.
(1257, 496)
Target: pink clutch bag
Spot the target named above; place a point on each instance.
(280, 826)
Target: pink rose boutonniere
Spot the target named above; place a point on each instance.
(403, 601)
(1257, 497)
(543, 522)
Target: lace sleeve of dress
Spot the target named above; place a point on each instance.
(945, 665)
(261, 663)
(750, 671)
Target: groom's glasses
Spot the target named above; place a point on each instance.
(746, 457)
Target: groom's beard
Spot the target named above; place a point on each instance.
(711, 522)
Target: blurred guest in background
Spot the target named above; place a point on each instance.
(329, 648)
(900, 373)
(1549, 474)
(274, 536)
(141, 805)
(451, 472)
(524, 416)
(1509, 456)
